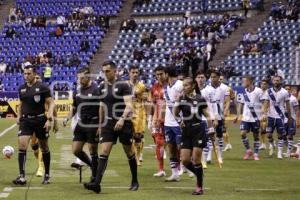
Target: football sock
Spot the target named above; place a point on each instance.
(46, 160)
(199, 174)
(298, 146)
(290, 145)
(102, 164)
(280, 145)
(174, 166)
(84, 158)
(94, 164)
(133, 167)
(190, 167)
(35, 149)
(22, 161)
(220, 144)
(256, 146)
(245, 141)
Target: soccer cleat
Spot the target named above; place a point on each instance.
(134, 186)
(93, 186)
(172, 178)
(160, 174)
(204, 165)
(256, 157)
(279, 155)
(46, 180)
(138, 163)
(287, 155)
(262, 146)
(198, 191)
(248, 154)
(220, 159)
(182, 170)
(20, 180)
(40, 172)
(227, 147)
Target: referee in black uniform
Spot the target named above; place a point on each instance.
(86, 106)
(192, 106)
(34, 98)
(114, 113)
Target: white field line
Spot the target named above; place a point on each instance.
(4, 195)
(7, 130)
(185, 188)
(257, 189)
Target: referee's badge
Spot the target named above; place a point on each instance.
(23, 90)
(37, 98)
(89, 95)
(37, 89)
(116, 89)
(199, 141)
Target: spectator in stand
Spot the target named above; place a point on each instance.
(145, 39)
(3, 66)
(56, 87)
(189, 32)
(84, 45)
(204, 6)
(61, 22)
(159, 38)
(58, 32)
(275, 45)
(246, 5)
(47, 73)
(128, 24)
(187, 19)
(10, 33)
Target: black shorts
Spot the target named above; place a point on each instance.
(109, 135)
(86, 134)
(194, 136)
(28, 126)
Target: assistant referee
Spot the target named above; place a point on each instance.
(115, 122)
(34, 98)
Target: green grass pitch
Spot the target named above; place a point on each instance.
(238, 180)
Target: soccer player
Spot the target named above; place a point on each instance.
(34, 98)
(263, 123)
(86, 107)
(222, 99)
(139, 111)
(291, 126)
(251, 104)
(207, 92)
(192, 106)
(232, 98)
(277, 98)
(155, 118)
(114, 122)
(172, 92)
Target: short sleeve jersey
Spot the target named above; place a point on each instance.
(112, 96)
(255, 102)
(33, 98)
(220, 93)
(86, 101)
(192, 108)
(173, 93)
(281, 97)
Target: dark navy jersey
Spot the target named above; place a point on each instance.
(112, 96)
(86, 101)
(33, 98)
(192, 108)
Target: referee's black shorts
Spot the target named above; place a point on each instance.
(109, 135)
(194, 135)
(28, 126)
(86, 132)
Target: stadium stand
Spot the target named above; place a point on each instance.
(154, 42)
(67, 7)
(159, 7)
(272, 47)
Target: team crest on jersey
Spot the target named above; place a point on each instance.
(37, 98)
(116, 89)
(89, 95)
